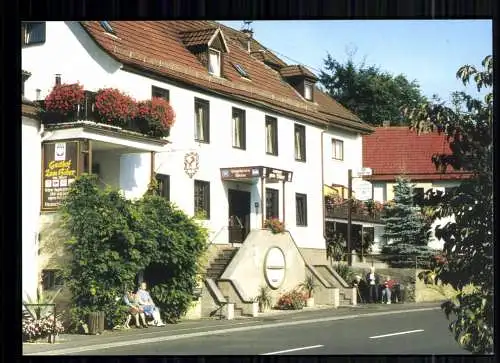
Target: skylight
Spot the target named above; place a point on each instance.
(240, 70)
(106, 26)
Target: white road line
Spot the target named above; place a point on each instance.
(293, 350)
(399, 333)
(150, 340)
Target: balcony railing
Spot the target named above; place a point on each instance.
(340, 212)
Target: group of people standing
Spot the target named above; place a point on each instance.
(141, 305)
(369, 289)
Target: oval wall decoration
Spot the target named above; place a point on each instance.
(274, 267)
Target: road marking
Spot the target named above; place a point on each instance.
(151, 340)
(399, 333)
(293, 350)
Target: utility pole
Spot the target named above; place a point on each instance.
(349, 216)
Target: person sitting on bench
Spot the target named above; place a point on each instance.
(134, 310)
(387, 290)
(146, 302)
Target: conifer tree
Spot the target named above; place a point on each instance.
(405, 231)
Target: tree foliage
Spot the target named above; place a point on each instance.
(405, 232)
(114, 238)
(372, 94)
(468, 241)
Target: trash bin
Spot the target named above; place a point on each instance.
(101, 317)
(93, 322)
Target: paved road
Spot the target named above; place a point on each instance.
(417, 332)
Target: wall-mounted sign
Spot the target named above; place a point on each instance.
(278, 175)
(240, 173)
(275, 267)
(191, 163)
(364, 172)
(59, 171)
(362, 189)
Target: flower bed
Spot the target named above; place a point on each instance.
(292, 300)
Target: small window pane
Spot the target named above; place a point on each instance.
(163, 185)
(301, 209)
(238, 128)
(271, 135)
(160, 92)
(201, 114)
(338, 149)
(202, 198)
(300, 143)
(34, 33)
(214, 63)
(308, 92)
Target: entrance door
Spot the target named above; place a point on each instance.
(239, 215)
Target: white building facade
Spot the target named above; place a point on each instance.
(227, 155)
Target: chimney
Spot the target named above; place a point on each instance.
(249, 35)
(58, 79)
(38, 91)
(386, 123)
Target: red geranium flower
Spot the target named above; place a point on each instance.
(115, 107)
(64, 98)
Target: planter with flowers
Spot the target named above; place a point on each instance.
(274, 225)
(155, 117)
(115, 107)
(62, 103)
(41, 329)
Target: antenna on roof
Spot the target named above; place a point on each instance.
(246, 29)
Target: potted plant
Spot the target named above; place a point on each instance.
(264, 299)
(155, 117)
(115, 107)
(309, 285)
(274, 225)
(62, 102)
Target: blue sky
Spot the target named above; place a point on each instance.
(428, 51)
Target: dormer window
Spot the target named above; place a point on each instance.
(214, 62)
(209, 46)
(301, 79)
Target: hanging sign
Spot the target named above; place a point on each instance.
(362, 189)
(59, 171)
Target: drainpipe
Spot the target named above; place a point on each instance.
(323, 185)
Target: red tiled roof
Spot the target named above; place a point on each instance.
(197, 37)
(296, 70)
(157, 47)
(392, 151)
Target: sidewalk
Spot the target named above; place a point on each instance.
(192, 326)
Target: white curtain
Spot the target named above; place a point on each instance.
(269, 138)
(236, 131)
(298, 146)
(214, 63)
(338, 149)
(199, 124)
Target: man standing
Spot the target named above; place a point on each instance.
(372, 280)
(148, 305)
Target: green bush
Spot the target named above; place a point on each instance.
(114, 238)
(344, 271)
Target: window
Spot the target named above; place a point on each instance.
(337, 149)
(107, 27)
(301, 209)
(51, 279)
(202, 123)
(202, 198)
(33, 33)
(160, 92)
(240, 70)
(272, 203)
(271, 135)
(239, 132)
(214, 62)
(163, 185)
(300, 142)
(308, 91)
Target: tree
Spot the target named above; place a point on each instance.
(112, 239)
(405, 231)
(375, 96)
(468, 241)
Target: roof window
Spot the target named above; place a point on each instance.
(240, 70)
(107, 27)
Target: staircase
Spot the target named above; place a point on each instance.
(219, 263)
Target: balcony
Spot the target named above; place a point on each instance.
(337, 208)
